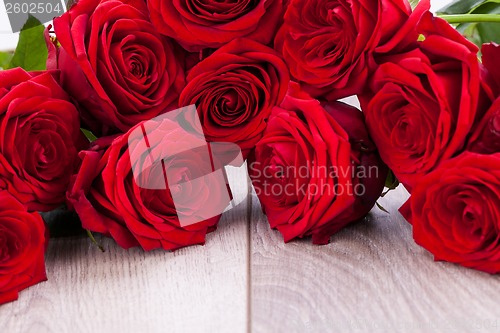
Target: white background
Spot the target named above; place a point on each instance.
(8, 40)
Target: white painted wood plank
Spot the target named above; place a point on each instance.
(196, 289)
(371, 278)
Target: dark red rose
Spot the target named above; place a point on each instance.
(115, 64)
(490, 55)
(199, 24)
(312, 176)
(329, 44)
(22, 248)
(370, 171)
(127, 184)
(235, 89)
(485, 138)
(424, 102)
(39, 138)
(455, 211)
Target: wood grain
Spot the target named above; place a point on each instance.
(196, 289)
(371, 278)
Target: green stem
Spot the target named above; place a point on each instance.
(91, 236)
(471, 18)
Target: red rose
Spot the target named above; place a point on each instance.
(329, 45)
(39, 138)
(115, 64)
(200, 24)
(235, 89)
(311, 176)
(486, 137)
(490, 55)
(424, 102)
(137, 207)
(22, 248)
(455, 211)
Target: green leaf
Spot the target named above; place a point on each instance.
(391, 182)
(414, 3)
(5, 59)
(89, 135)
(461, 7)
(31, 51)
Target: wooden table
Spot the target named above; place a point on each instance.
(371, 278)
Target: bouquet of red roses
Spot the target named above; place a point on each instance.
(130, 110)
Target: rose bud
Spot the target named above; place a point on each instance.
(423, 103)
(211, 24)
(39, 138)
(329, 45)
(455, 211)
(22, 248)
(313, 177)
(486, 137)
(235, 89)
(115, 64)
(155, 187)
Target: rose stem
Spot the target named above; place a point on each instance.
(470, 18)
